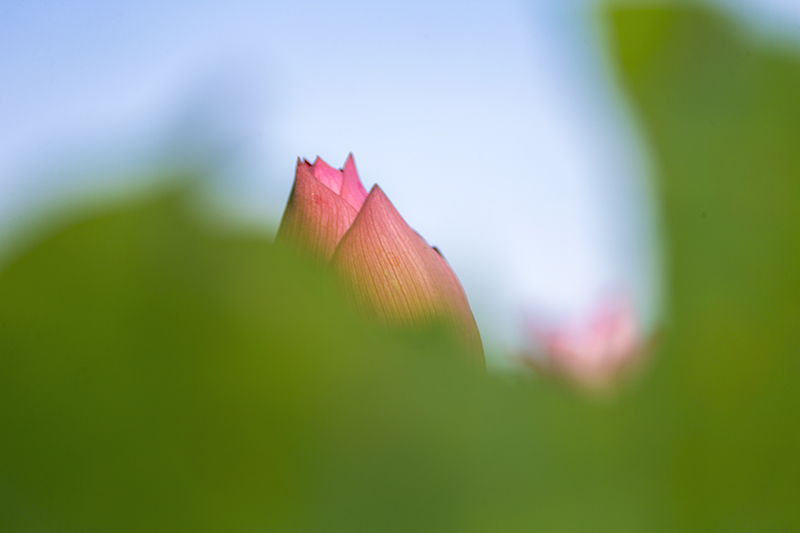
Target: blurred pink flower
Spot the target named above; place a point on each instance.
(387, 268)
(592, 351)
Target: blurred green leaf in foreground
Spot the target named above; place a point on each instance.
(723, 113)
(157, 374)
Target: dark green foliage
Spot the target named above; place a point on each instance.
(156, 375)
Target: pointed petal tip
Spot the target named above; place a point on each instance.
(328, 175)
(315, 218)
(378, 199)
(303, 171)
(349, 168)
(377, 192)
(352, 189)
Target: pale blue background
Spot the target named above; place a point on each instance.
(496, 128)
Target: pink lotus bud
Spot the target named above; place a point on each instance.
(595, 350)
(389, 271)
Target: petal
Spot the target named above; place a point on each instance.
(316, 218)
(352, 189)
(327, 175)
(395, 276)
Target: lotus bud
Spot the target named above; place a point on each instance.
(387, 269)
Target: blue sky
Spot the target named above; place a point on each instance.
(496, 128)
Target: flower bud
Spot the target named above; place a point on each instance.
(387, 269)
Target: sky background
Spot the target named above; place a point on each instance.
(496, 128)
